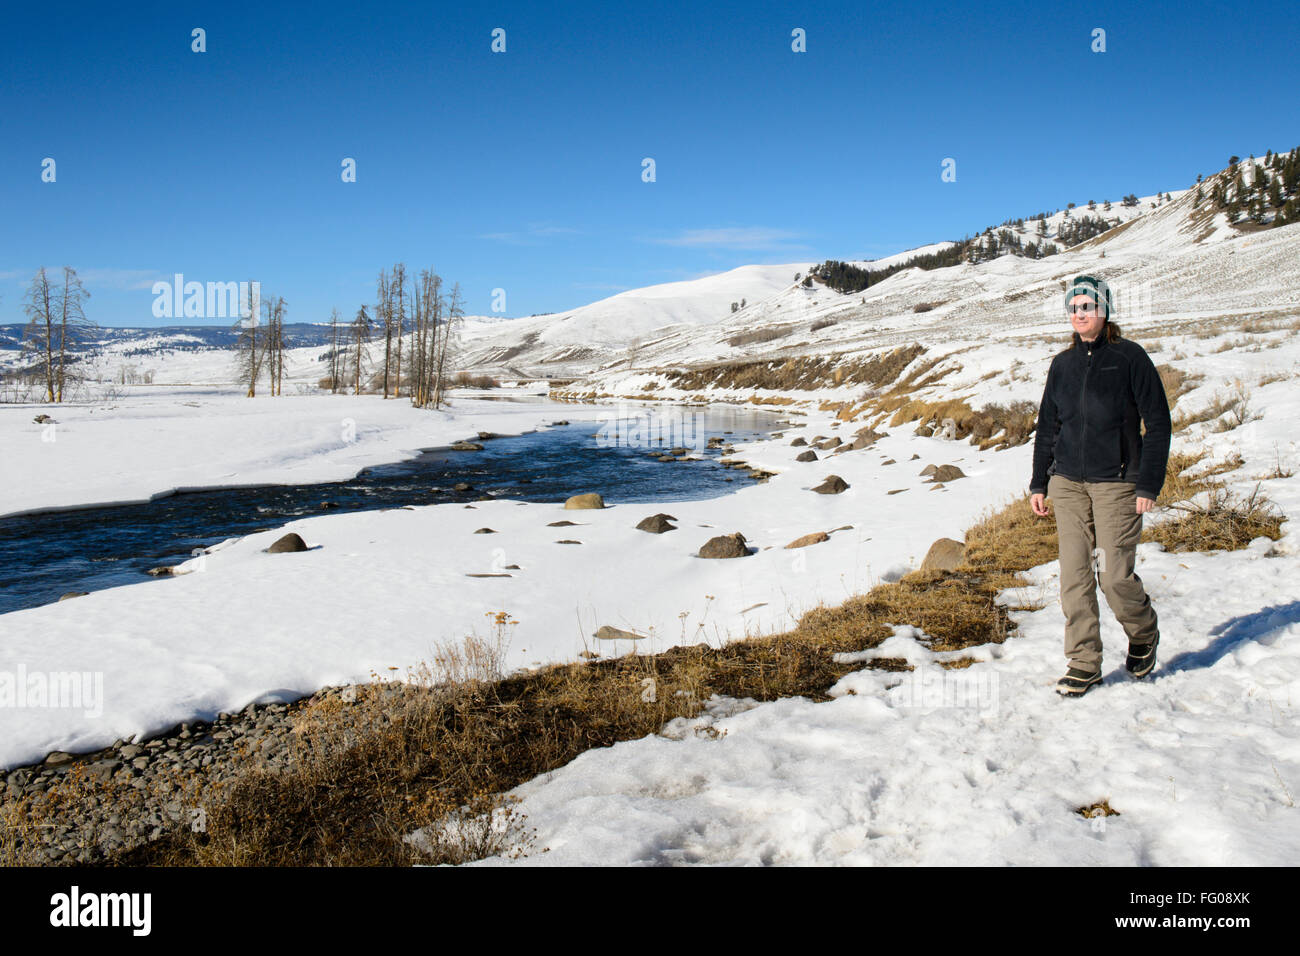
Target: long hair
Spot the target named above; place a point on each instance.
(1110, 330)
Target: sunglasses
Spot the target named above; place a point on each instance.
(1086, 308)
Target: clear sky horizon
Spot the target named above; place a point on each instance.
(522, 170)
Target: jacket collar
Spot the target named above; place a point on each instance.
(1096, 343)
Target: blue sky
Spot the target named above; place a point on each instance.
(522, 170)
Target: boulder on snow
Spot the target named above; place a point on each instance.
(947, 473)
(657, 524)
(588, 500)
(808, 455)
(291, 542)
(816, 537)
(833, 485)
(725, 546)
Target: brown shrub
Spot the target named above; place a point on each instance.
(995, 425)
(1223, 522)
(758, 336)
(469, 380)
(1011, 538)
(1177, 382)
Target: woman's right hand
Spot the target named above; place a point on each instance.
(1039, 504)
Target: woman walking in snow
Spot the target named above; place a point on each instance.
(1102, 474)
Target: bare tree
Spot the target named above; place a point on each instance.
(383, 313)
(73, 323)
(362, 327)
(56, 324)
(38, 341)
(334, 351)
(249, 352)
(398, 317)
(417, 327)
(430, 326)
(275, 308)
(454, 313)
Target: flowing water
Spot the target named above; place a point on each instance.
(43, 556)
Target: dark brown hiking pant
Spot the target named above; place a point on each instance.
(1099, 519)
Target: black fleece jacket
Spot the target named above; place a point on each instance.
(1088, 420)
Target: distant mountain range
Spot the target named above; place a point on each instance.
(176, 337)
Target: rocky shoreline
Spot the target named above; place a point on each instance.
(84, 808)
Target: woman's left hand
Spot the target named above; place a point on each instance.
(1145, 504)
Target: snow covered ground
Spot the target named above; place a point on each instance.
(985, 765)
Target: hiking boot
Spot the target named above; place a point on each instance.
(1142, 657)
(1076, 682)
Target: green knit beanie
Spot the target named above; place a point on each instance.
(1092, 287)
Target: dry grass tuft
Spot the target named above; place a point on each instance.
(758, 336)
(1221, 522)
(1233, 408)
(1177, 382)
(1230, 344)
(1012, 538)
(1101, 809)
(993, 426)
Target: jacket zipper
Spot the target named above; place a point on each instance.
(1083, 399)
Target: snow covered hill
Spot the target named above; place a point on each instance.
(575, 342)
(1169, 254)
(1166, 255)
